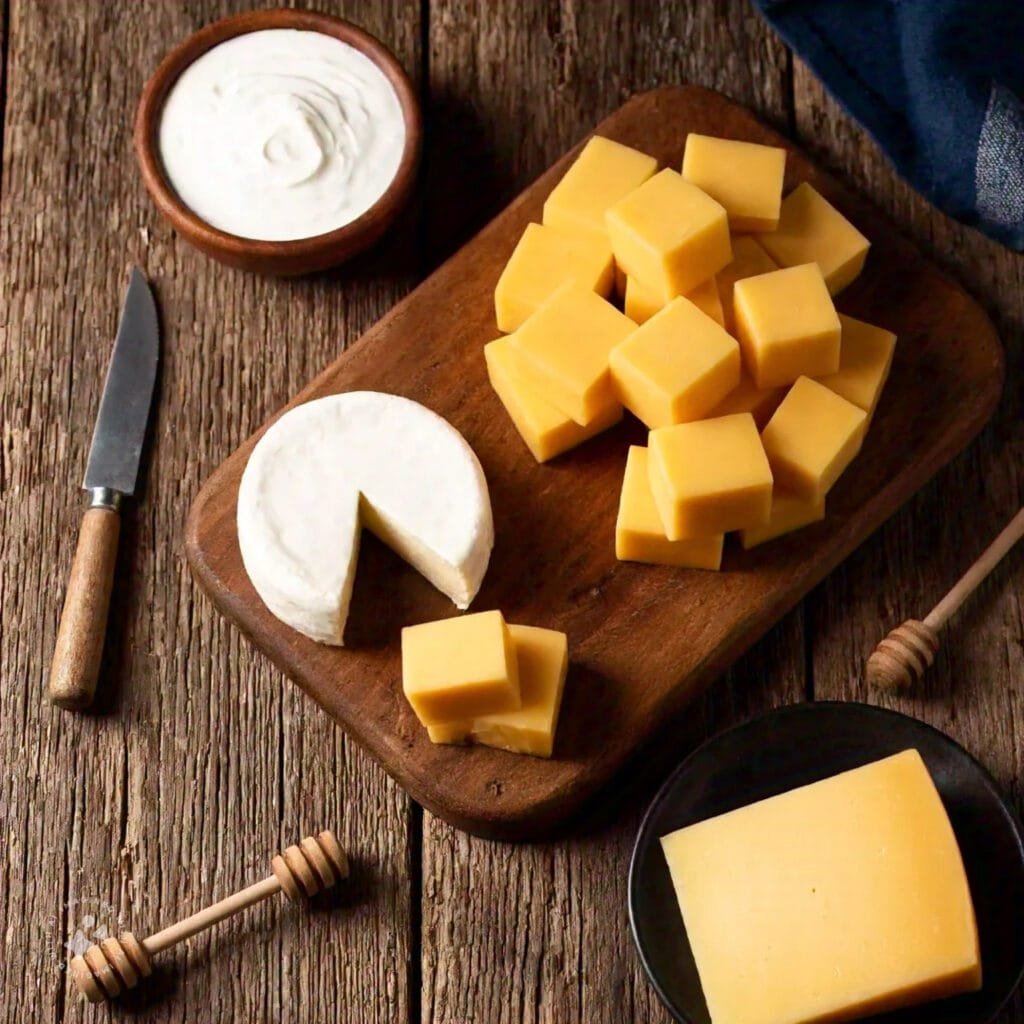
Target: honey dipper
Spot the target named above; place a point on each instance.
(106, 969)
(901, 658)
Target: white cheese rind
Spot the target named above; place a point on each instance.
(327, 468)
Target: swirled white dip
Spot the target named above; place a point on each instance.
(281, 134)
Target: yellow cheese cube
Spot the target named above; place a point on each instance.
(641, 303)
(838, 900)
(865, 358)
(748, 260)
(543, 259)
(669, 235)
(601, 175)
(562, 352)
(546, 431)
(543, 659)
(789, 513)
(459, 668)
(676, 367)
(787, 325)
(812, 437)
(744, 177)
(639, 533)
(710, 476)
(748, 397)
(812, 230)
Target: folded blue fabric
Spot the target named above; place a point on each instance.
(939, 84)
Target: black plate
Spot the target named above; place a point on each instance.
(804, 743)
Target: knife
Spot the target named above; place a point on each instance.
(110, 476)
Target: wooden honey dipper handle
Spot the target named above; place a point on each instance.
(902, 657)
(105, 970)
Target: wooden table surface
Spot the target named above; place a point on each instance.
(201, 759)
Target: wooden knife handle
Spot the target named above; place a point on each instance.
(83, 622)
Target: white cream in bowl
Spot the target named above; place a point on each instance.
(281, 134)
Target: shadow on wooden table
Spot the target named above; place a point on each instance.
(750, 687)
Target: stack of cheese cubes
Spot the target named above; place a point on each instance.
(727, 345)
(476, 678)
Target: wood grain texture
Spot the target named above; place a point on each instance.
(202, 760)
(82, 630)
(199, 762)
(643, 640)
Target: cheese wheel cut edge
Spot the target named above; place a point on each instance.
(330, 467)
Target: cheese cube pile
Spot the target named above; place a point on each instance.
(478, 679)
(701, 300)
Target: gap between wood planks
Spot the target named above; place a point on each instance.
(5, 32)
(430, 258)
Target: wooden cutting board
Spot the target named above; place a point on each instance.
(643, 639)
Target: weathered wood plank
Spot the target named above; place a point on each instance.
(4, 13)
(540, 933)
(975, 690)
(201, 763)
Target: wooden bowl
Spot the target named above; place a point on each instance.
(297, 256)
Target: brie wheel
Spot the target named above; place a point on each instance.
(330, 467)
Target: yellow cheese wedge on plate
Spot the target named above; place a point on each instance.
(834, 901)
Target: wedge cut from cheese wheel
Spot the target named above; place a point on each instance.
(328, 468)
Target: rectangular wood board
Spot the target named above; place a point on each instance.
(643, 639)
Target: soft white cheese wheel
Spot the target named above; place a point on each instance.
(326, 469)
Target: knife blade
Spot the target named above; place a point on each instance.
(111, 474)
(120, 430)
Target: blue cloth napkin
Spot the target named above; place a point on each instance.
(939, 84)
